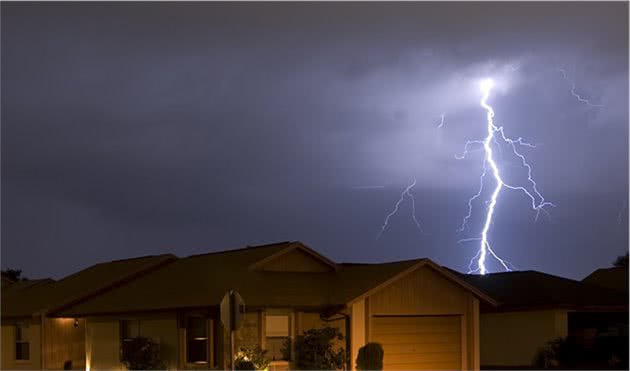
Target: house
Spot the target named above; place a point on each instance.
(615, 278)
(426, 317)
(7, 279)
(534, 308)
(31, 339)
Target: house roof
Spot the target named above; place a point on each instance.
(25, 284)
(613, 278)
(202, 280)
(29, 298)
(6, 278)
(532, 289)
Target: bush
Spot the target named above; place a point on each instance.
(370, 357)
(285, 351)
(559, 353)
(251, 358)
(241, 364)
(567, 353)
(314, 350)
(142, 353)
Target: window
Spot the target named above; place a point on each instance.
(276, 335)
(197, 340)
(22, 343)
(129, 329)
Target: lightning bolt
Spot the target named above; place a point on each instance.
(576, 95)
(441, 121)
(405, 193)
(489, 163)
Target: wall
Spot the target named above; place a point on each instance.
(164, 330)
(8, 346)
(64, 342)
(358, 329)
(513, 338)
(422, 292)
(102, 341)
(102, 344)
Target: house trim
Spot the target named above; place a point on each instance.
(421, 263)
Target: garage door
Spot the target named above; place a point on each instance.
(419, 342)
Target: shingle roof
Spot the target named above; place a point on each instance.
(528, 289)
(25, 284)
(202, 280)
(613, 278)
(47, 294)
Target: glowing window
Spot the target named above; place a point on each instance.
(277, 337)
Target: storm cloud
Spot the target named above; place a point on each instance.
(144, 128)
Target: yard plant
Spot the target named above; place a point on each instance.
(370, 357)
(316, 349)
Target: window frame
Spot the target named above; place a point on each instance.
(123, 338)
(289, 317)
(20, 328)
(206, 340)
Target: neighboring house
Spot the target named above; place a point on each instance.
(7, 280)
(33, 340)
(426, 317)
(615, 278)
(535, 308)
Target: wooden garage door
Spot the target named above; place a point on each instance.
(419, 342)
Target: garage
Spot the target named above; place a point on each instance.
(419, 342)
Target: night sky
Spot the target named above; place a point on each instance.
(133, 129)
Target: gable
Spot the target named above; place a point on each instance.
(422, 291)
(295, 260)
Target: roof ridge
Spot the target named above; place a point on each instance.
(521, 272)
(389, 262)
(136, 258)
(247, 247)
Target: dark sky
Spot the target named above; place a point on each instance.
(142, 128)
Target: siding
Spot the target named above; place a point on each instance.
(425, 292)
(163, 330)
(102, 341)
(526, 332)
(8, 346)
(358, 329)
(64, 342)
(102, 345)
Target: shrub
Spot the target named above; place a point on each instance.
(251, 358)
(314, 350)
(285, 351)
(370, 357)
(568, 353)
(142, 353)
(241, 364)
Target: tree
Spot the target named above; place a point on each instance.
(621, 261)
(14, 274)
(316, 350)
